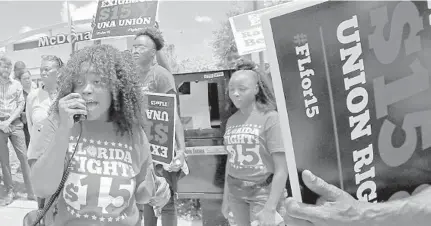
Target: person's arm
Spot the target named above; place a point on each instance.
(150, 189)
(415, 210)
(145, 186)
(179, 135)
(167, 85)
(179, 139)
(338, 208)
(225, 202)
(20, 105)
(28, 110)
(278, 180)
(274, 143)
(46, 154)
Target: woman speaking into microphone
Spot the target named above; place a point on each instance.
(95, 122)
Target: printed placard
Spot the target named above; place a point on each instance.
(353, 87)
(123, 17)
(247, 30)
(160, 112)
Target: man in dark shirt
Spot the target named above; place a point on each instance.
(156, 79)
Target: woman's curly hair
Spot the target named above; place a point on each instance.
(265, 98)
(119, 71)
(154, 34)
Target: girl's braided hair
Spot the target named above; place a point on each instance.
(265, 98)
(118, 70)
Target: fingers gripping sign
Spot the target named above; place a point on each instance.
(334, 208)
(324, 190)
(163, 193)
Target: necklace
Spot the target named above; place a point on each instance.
(51, 94)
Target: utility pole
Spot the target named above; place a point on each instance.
(261, 57)
(72, 31)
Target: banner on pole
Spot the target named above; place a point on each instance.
(115, 18)
(353, 91)
(161, 110)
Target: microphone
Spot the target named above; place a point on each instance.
(79, 118)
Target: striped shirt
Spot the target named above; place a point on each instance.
(11, 97)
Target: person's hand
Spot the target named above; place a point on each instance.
(177, 162)
(225, 209)
(5, 125)
(335, 207)
(7, 129)
(268, 217)
(163, 193)
(69, 106)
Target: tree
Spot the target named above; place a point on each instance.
(225, 49)
(169, 51)
(195, 64)
(198, 64)
(269, 3)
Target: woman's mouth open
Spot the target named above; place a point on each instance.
(91, 104)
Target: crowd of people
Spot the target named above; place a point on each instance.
(12, 118)
(102, 84)
(112, 179)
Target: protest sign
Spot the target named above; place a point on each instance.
(353, 91)
(123, 17)
(160, 112)
(247, 30)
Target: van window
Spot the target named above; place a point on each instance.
(199, 105)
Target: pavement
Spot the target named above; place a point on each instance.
(13, 214)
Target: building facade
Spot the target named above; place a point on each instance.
(31, 46)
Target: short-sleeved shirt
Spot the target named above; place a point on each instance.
(11, 97)
(107, 175)
(250, 141)
(37, 108)
(158, 80)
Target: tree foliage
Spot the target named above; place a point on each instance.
(224, 45)
(195, 64)
(171, 56)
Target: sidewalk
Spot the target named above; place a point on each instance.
(13, 214)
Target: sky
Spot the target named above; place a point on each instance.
(187, 24)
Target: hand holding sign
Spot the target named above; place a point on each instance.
(333, 202)
(177, 162)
